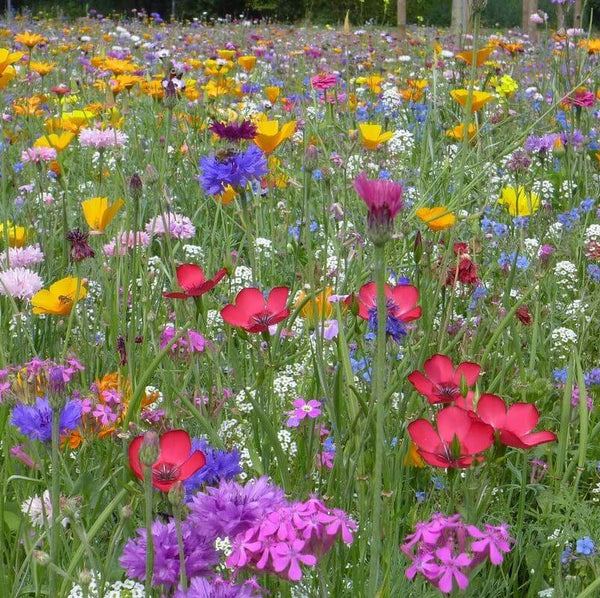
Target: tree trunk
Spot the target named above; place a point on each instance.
(402, 17)
(577, 14)
(459, 19)
(526, 13)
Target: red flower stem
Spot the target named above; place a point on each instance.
(149, 540)
(377, 402)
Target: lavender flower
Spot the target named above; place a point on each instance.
(218, 588)
(20, 283)
(175, 225)
(35, 421)
(21, 257)
(102, 138)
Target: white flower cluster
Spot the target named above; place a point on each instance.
(214, 321)
(531, 247)
(547, 593)
(543, 188)
(390, 98)
(264, 247)
(574, 309)
(224, 545)
(284, 386)
(566, 274)
(401, 141)
(118, 589)
(245, 463)
(592, 233)
(563, 341)
(242, 402)
(288, 446)
(234, 432)
(241, 278)
(193, 252)
(354, 165)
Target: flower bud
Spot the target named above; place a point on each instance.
(85, 578)
(311, 157)
(176, 494)
(41, 557)
(418, 248)
(135, 186)
(150, 449)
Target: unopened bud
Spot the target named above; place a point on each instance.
(126, 512)
(41, 557)
(311, 157)
(464, 386)
(418, 248)
(151, 174)
(85, 578)
(135, 185)
(176, 494)
(150, 449)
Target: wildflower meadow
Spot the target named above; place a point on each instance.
(298, 311)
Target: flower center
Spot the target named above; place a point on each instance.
(165, 472)
(262, 319)
(447, 391)
(64, 300)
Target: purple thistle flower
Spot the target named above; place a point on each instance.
(236, 170)
(35, 421)
(234, 131)
(80, 250)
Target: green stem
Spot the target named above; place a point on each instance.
(55, 496)
(182, 574)
(149, 540)
(377, 401)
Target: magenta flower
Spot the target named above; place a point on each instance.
(450, 569)
(425, 565)
(323, 81)
(289, 555)
(492, 542)
(384, 201)
(105, 414)
(303, 410)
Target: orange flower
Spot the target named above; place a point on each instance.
(272, 94)
(30, 39)
(437, 219)
(42, 68)
(371, 135)
(317, 308)
(591, 45)
(59, 299)
(247, 62)
(98, 213)
(7, 75)
(228, 195)
(480, 56)
(17, 235)
(457, 132)
(7, 58)
(412, 457)
(478, 101)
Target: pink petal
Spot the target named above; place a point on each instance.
(277, 299)
(470, 371)
(250, 301)
(423, 434)
(453, 421)
(439, 368)
(421, 383)
(492, 410)
(522, 418)
(234, 316)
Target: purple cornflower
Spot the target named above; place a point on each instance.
(175, 225)
(303, 409)
(218, 588)
(200, 556)
(220, 465)
(237, 170)
(35, 421)
(540, 145)
(234, 131)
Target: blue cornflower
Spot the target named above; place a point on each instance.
(18, 166)
(593, 271)
(521, 222)
(236, 169)
(317, 175)
(587, 205)
(35, 421)
(568, 219)
(500, 230)
(393, 326)
(479, 292)
(438, 483)
(592, 378)
(560, 375)
(567, 555)
(329, 445)
(220, 465)
(522, 262)
(421, 496)
(585, 546)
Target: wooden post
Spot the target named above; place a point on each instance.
(526, 13)
(577, 23)
(401, 6)
(459, 19)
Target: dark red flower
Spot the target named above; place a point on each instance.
(175, 462)
(466, 272)
(515, 423)
(524, 315)
(441, 382)
(193, 282)
(459, 437)
(234, 131)
(252, 312)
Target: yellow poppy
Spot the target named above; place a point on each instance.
(154, 89)
(59, 299)
(269, 136)
(228, 195)
(7, 58)
(17, 235)
(479, 99)
(98, 213)
(226, 54)
(437, 219)
(77, 118)
(519, 202)
(373, 82)
(591, 45)
(42, 68)
(247, 62)
(317, 308)
(7, 75)
(29, 39)
(372, 137)
(412, 457)
(58, 142)
(457, 132)
(118, 67)
(272, 93)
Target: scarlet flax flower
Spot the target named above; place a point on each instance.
(384, 201)
(253, 313)
(192, 280)
(514, 424)
(456, 442)
(175, 463)
(441, 382)
(401, 307)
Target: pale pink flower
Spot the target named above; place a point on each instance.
(102, 138)
(38, 154)
(21, 257)
(20, 283)
(125, 241)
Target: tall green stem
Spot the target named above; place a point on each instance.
(377, 402)
(149, 540)
(55, 497)
(182, 573)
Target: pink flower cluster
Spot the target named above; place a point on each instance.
(445, 549)
(176, 226)
(183, 348)
(125, 242)
(38, 154)
(293, 535)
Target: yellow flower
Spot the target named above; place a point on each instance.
(519, 202)
(17, 235)
(77, 119)
(479, 100)
(226, 54)
(506, 87)
(272, 93)
(98, 213)
(29, 39)
(58, 142)
(42, 68)
(59, 299)
(118, 67)
(269, 136)
(228, 195)
(480, 56)
(247, 62)
(374, 83)
(457, 132)
(591, 45)
(317, 308)
(7, 58)
(412, 457)
(7, 75)
(154, 89)
(437, 219)
(372, 137)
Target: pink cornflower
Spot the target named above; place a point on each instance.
(303, 409)
(102, 138)
(175, 225)
(323, 81)
(21, 257)
(38, 154)
(125, 241)
(20, 283)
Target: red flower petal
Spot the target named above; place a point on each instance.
(175, 447)
(196, 461)
(134, 456)
(470, 371)
(405, 296)
(277, 299)
(421, 383)
(190, 277)
(522, 418)
(492, 410)
(453, 421)
(423, 434)
(479, 437)
(250, 301)
(439, 368)
(234, 316)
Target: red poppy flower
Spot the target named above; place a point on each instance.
(458, 438)
(175, 462)
(193, 282)
(515, 423)
(252, 312)
(441, 382)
